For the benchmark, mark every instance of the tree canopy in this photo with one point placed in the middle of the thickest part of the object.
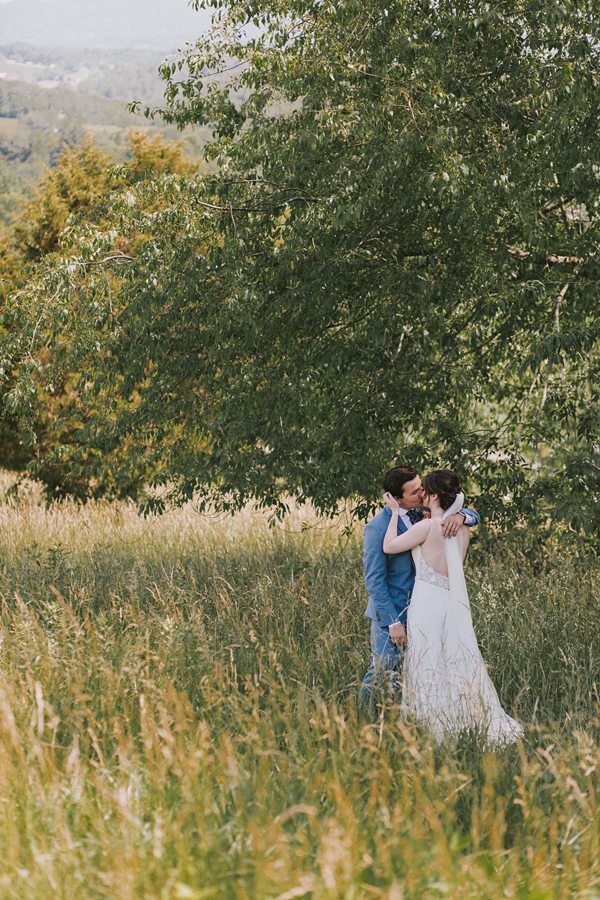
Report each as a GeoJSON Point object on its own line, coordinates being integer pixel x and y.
{"type": "Point", "coordinates": [397, 258]}
{"type": "Point", "coordinates": [77, 192]}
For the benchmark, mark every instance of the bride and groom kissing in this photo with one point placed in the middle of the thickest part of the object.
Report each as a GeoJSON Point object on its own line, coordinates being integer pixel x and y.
{"type": "Point", "coordinates": [423, 645]}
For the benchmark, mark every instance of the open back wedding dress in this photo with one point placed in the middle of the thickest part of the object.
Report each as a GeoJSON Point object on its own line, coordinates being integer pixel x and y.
{"type": "Point", "coordinates": [446, 684]}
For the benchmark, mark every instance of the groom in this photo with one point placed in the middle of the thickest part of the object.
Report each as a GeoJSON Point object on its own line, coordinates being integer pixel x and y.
{"type": "Point", "coordinates": [390, 580]}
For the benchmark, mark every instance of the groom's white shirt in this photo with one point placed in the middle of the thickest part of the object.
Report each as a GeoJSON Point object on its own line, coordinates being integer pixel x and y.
{"type": "Point", "coordinates": [403, 513]}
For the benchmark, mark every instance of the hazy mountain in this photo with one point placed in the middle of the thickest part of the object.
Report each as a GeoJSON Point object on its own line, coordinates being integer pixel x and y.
{"type": "Point", "coordinates": [163, 25]}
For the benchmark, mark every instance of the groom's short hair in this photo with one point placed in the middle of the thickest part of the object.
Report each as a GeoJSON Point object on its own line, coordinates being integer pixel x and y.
{"type": "Point", "coordinates": [395, 479]}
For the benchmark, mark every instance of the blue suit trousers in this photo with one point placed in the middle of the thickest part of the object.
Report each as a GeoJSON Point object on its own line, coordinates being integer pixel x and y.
{"type": "Point", "coordinates": [383, 677]}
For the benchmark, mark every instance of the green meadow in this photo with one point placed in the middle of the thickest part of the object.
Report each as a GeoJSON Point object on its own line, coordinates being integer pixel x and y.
{"type": "Point", "coordinates": [178, 717]}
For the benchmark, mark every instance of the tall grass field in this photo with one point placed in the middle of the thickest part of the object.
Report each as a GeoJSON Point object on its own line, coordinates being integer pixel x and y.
{"type": "Point", "coordinates": [178, 718]}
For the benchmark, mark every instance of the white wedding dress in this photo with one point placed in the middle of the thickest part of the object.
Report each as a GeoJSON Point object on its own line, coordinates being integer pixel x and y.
{"type": "Point", "coordinates": [446, 684]}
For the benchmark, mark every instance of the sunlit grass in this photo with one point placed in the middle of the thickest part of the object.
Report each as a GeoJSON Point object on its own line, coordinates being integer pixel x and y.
{"type": "Point", "coordinates": [177, 719]}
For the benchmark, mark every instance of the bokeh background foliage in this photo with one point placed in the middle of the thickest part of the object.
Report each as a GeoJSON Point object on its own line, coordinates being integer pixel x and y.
{"type": "Point", "coordinates": [395, 257]}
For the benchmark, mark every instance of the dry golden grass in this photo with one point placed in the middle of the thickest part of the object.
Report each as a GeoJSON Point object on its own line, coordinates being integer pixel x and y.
{"type": "Point", "coordinates": [177, 720]}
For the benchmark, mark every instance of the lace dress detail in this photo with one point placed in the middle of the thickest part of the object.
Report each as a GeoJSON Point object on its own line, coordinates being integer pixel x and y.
{"type": "Point", "coordinates": [431, 576]}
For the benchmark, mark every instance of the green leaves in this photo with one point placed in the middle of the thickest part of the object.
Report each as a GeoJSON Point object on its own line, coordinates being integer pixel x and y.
{"type": "Point", "coordinates": [377, 268]}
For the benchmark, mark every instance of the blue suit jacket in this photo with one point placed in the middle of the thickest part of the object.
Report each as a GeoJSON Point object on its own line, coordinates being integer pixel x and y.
{"type": "Point", "coordinates": [390, 577]}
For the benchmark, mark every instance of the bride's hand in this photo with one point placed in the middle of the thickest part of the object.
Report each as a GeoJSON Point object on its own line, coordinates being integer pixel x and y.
{"type": "Point", "coordinates": [391, 501]}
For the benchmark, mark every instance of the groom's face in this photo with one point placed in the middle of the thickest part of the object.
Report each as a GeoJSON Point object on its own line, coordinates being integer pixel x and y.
{"type": "Point", "coordinates": [412, 495]}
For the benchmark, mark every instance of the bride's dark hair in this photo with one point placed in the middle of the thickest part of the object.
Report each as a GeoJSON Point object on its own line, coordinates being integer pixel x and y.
{"type": "Point", "coordinates": [445, 483]}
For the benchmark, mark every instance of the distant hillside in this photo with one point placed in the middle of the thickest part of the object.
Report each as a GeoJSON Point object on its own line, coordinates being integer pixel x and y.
{"type": "Point", "coordinates": [36, 121]}
{"type": "Point", "coordinates": [163, 25]}
{"type": "Point", "coordinates": [104, 73]}
{"type": "Point", "coordinates": [51, 96]}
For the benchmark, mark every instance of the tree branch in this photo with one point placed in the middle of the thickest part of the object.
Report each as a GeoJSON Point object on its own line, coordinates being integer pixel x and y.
{"type": "Point", "coordinates": [544, 397]}
{"type": "Point", "coordinates": [551, 258]}
{"type": "Point", "coordinates": [116, 257]}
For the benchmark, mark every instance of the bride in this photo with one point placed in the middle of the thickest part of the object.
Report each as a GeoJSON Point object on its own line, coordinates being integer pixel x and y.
{"type": "Point", "coordinates": [446, 684]}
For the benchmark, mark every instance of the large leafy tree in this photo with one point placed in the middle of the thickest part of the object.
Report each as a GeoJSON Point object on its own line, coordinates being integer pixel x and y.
{"type": "Point", "coordinates": [72, 201]}
{"type": "Point", "coordinates": [397, 257]}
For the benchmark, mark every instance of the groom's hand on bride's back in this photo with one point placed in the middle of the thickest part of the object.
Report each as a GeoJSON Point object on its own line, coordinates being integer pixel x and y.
{"type": "Point", "coordinates": [452, 525]}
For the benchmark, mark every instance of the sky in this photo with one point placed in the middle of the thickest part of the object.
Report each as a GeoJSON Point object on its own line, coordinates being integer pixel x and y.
{"type": "Point", "coordinates": [155, 24]}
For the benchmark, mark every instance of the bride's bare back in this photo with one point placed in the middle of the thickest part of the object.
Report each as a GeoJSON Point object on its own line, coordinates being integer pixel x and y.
{"type": "Point", "coordinates": [432, 548]}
